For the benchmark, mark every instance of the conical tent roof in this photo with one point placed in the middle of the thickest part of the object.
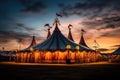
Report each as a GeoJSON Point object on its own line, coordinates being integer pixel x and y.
{"type": "Point", "coordinates": [33, 43]}
{"type": "Point", "coordinates": [117, 51]}
{"type": "Point", "coordinates": [70, 35]}
{"type": "Point", "coordinates": [57, 41]}
{"type": "Point", "coordinates": [49, 34]}
{"type": "Point", "coordinates": [82, 41]}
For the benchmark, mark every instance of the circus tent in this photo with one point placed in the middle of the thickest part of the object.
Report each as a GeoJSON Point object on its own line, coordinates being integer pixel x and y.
{"type": "Point", "coordinates": [115, 56]}
{"type": "Point", "coordinates": [116, 52]}
{"type": "Point", "coordinates": [57, 48]}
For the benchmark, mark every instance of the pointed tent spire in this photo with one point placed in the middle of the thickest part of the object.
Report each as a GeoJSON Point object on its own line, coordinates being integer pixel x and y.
{"type": "Point", "coordinates": [49, 33]}
{"type": "Point", "coordinates": [95, 45]}
{"type": "Point", "coordinates": [56, 21]}
{"type": "Point", "coordinates": [70, 34]}
{"type": "Point", "coordinates": [33, 43]}
{"type": "Point", "coordinates": [82, 41]}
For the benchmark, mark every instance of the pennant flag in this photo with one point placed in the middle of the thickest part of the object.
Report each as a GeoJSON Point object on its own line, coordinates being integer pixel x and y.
{"type": "Point", "coordinates": [70, 26]}
{"type": "Point", "coordinates": [46, 25]}
{"type": "Point", "coordinates": [59, 15]}
{"type": "Point", "coordinates": [83, 30]}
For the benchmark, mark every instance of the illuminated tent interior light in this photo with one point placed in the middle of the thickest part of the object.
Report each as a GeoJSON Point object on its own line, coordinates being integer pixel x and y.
{"type": "Point", "coordinates": [77, 47]}
{"type": "Point", "coordinates": [31, 49]}
{"type": "Point", "coordinates": [68, 46]}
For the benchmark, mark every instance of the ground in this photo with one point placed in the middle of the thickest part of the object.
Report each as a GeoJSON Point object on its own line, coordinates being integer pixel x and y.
{"type": "Point", "coordinates": [37, 71]}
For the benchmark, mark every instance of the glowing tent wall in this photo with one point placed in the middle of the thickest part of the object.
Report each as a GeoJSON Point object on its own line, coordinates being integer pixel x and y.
{"type": "Point", "coordinates": [57, 56]}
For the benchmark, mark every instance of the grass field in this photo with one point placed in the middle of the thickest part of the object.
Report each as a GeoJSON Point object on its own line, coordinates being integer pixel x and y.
{"type": "Point", "coordinates": [37, 71]}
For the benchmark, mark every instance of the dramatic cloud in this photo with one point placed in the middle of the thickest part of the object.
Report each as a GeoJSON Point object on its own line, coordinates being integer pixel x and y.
{"type": "Point", "coordinates": [111, 23]}
{"type": "Point", "coordinates": [113, 33]}
{"type": "Point", "coordinates": [11, 35]}
{"type": "Point", "coordinates": [103, 49]}
{"type": "Point", "coordinates": [116, 46]}
{"type": "Point", "coordinates": [22, 26]}
{"type": "Point", "coordinates": [17, 32]}
{"type": "Point", "coordinates": [91, 8]}
{"type": "Point", "coordinates": [103, 23]}
{"type": "Point", "coordinates": [32, 6]}
{"type": "Point", "coordinates": [96, 15]}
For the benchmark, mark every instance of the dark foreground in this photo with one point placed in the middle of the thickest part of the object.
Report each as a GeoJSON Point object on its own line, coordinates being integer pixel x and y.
{"type": "Point", "coordinates": [60, 72]}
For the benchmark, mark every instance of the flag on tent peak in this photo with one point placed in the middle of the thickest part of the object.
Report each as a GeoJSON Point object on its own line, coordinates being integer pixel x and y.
{"type": "Point", "coordinates": [46, 25]}
{"type": "Point", "coordinates": [83, 30]}
{"type": "Point", "coordinates": [59, 15]}
{"type": "Point", "coordinates": [70, 26]}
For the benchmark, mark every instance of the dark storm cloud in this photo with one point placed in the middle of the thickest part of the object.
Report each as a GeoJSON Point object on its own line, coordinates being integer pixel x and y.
{"type": "Point", "coordinates": [10, 27]}
{"type": "Point", "coordinates": [92, 24]}
{"type": "Point", "coordinates": [91, 8]}
{"type": "Point", "coordinates": [29, 30]}
{"type": "Point", "coordinates": [111, 23]}
{"type": "Point", "coordinates": [103, 49]}
{"type": "Point", "coordinates": [23, 26]}
{"type": "Point", "coordinates": [104, 23]}
{"type": "Point", "coordinates": [108, 26]}
{"type": "Point", "coordinates": [32, 6]}
{"type": "Point", "coordinates": [7, 36]}
{"type": "Point", "coordinates": [96, 14]}
{"type": "Point", "coordinates": [116, 46]}
{"type": "Point", "coordinates": [15, 31]}
{"type": "Point", "coordinates": [116, 18]}
{"type": "Point", "coordinates": [113, 33]}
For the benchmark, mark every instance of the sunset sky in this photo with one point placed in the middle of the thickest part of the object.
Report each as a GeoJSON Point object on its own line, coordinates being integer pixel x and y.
{"type": "Point", "coordinates": [21, 19]}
